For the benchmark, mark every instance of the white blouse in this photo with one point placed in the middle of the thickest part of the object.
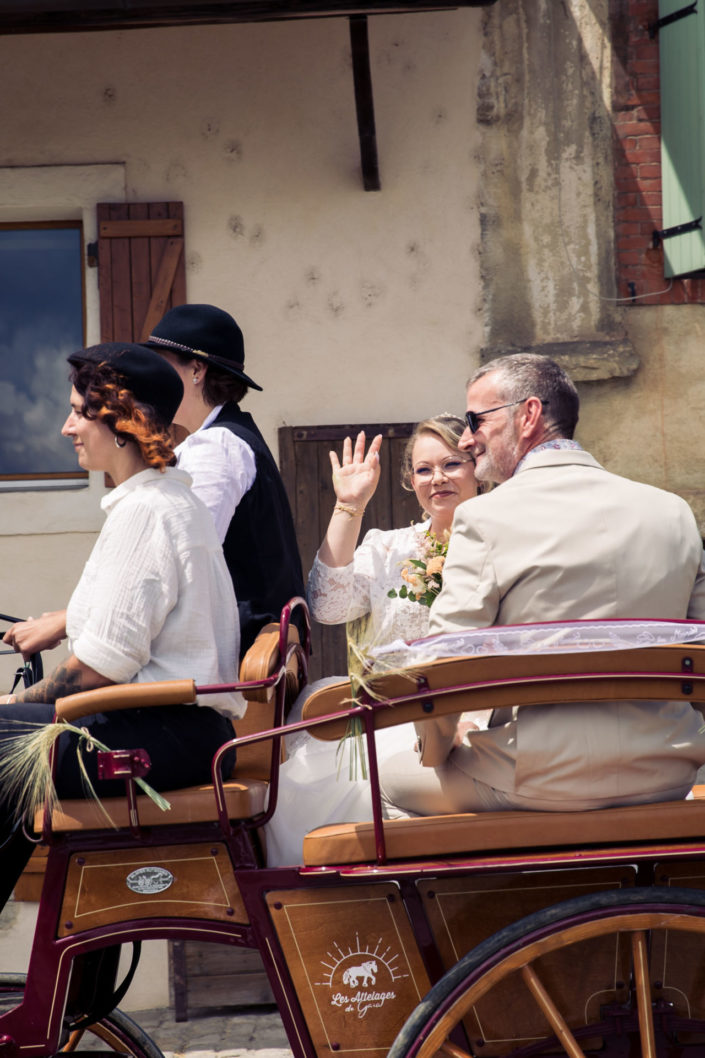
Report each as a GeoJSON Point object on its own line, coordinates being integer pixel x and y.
{"type": "Point", "coordinates": [222, 468]}
{"type": "Point", "coordinates": [155, 600]}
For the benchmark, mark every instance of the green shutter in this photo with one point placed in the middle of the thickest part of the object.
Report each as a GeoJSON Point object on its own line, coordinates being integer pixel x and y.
{"type": "Point", "coordinates": [682, 62]}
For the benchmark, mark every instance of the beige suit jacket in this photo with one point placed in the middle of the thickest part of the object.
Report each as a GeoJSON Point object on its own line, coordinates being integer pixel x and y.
{"type": "Point", "coordinates": [566, 540]}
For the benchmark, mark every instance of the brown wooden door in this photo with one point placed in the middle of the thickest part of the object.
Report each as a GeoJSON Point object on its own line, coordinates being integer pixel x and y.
{"type": "Point", "coordinates": [306, 470]}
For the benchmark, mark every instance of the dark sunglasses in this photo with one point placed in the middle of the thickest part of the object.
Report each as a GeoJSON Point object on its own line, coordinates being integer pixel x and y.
{"type": "Point", "coordinates": [474, 418]}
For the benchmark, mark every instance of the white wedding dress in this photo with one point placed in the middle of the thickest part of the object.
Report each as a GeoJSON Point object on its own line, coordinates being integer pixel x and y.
{"type": "Point", "coordinates": [315, 787]}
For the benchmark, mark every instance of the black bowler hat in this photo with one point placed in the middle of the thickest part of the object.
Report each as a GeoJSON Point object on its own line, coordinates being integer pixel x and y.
{"type": "Point", "coordinates": [206, 332]}
{"type": "Point", "coordinates": [146, 374]}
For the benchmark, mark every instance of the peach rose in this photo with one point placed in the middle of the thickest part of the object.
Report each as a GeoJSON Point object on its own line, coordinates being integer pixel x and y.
{"type": "Point", "coordinates": [436, 564]}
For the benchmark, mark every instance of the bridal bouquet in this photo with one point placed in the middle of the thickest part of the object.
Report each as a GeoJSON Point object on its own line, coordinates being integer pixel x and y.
{"type": "Point", "coordinates": [423, 580]}
{"type": "Point", "coordinates": [423, 576]}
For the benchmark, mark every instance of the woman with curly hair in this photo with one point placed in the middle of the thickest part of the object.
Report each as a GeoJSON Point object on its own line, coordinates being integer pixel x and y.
{"type": "Point", "coordinates": [154, 600]}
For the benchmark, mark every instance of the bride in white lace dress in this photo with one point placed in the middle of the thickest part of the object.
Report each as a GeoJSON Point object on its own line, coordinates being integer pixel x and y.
{"type": "Point", "coordinates": [349, 582]}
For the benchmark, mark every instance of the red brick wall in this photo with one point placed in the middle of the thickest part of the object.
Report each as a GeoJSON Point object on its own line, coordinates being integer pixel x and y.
{"type": "Point", "coordinates": [637, 161]}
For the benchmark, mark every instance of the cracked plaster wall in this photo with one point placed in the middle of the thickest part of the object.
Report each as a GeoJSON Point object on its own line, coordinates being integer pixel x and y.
{"type": "Point", "coordinates": [341, 294]}
{"type": "Point", "coordinates": [547, 189]}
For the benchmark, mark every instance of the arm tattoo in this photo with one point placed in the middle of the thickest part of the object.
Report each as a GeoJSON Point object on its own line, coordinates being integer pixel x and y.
{"type": "Point", "coordinates": [62, 681]}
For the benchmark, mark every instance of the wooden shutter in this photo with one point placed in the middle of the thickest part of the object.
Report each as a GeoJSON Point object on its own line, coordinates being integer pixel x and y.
{"type": "Point", "coordinates": [141, 269]}
{"type": "Point", "coordinates": [682, 73]}
{"type": "Point", "coordinates": [306, 470]}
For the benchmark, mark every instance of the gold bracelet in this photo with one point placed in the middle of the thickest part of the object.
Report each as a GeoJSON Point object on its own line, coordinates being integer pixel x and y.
{"type": "Point", "coordinates": [345, 508]}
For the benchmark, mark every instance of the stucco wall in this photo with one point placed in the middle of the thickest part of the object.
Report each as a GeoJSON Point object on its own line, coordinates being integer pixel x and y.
{"type": "Point", "coordinates": [652, 426]}
{"type": "Point", "coordinates": [544, 100]}
{"type": "Point", "coordinates": [342, 295]}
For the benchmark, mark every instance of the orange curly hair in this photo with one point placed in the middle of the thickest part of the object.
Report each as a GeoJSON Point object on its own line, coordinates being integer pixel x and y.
{"type": "Point", "coordinates": [107, 399]}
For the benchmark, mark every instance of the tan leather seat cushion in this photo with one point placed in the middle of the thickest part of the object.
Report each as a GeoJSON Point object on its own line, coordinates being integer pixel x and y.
{"type": "Point", "coordinates": [195, 804]}
{"type": "Point", "coordinates": [453, 835]}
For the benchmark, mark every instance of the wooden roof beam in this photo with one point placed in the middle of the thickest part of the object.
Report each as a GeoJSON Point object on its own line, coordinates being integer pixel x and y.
{"type": "Point", "coordinates": [364, 102]}
{"type": "Point", "coordinates": [69, 16]}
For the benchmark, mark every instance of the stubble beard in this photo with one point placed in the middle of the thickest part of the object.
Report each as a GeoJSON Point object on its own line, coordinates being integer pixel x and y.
{"type": "Point", "coordinates": [498, 465]}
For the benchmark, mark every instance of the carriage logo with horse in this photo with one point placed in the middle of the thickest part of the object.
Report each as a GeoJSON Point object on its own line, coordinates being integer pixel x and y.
{"type": "Point", "coordinates": [361, 977]}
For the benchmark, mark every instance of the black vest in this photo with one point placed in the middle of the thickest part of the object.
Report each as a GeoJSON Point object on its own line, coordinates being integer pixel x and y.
{"type": "Point", "coordinates": [260, 544]}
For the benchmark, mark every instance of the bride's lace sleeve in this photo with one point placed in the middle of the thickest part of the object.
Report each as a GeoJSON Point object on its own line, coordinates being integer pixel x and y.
{"type": "Point", "coordinates": [342, 593]}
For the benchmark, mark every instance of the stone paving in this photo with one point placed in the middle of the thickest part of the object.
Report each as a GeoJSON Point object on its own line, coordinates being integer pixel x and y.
{"type": "Point", "coordinates": [235, 1034]}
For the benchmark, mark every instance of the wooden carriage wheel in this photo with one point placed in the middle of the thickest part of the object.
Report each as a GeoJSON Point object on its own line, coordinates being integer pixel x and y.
{"type": "Point", "coordinates": [644, 1025]}
{"type": "Point", "coordinates": [115, 1032]}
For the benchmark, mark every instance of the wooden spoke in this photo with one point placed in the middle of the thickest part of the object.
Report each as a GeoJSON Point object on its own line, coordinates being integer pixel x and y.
{"type": "Point", "coordinates": [481, 996]}
{"type": "Point", "coordinates": [449, 1050]}
{"type": "Point", "coordinates": [552, 1013]}
{"type": "Point", "coordinates": [642, 987]}
{"type": "Point", "coordinates": [115, 1034]}
{"type": "Point", "coordinates": [73, 1041]}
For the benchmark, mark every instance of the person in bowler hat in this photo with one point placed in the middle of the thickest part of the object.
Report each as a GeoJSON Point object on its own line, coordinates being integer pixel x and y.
{"type": "Point", "coordinates": [154, 602]}
{"type": "Point", "coordinates": [232, 469]}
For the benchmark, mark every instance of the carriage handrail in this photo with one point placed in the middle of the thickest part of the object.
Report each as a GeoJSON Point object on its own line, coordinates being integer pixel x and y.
{"type": "Point", "coordinates": [421, 695]}
{"type": "Point", "coordinates": [275, 734]}
{"type": "Point", "coordinates": [287, 651]}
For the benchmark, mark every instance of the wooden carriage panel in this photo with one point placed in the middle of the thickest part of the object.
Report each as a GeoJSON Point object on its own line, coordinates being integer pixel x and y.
{"type": "Point", "coordinates": [177, 881]}
{"type": "Point", "coordinates": [678, 958]}
{"type": "Point", "coordinates": [354, 963]}
{"type": "Point", "coordinates": [465, 911]}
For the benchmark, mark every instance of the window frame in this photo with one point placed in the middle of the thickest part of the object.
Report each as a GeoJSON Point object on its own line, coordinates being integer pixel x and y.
{"type": "Point", "coordinates": [61, 192]}
{"type": "Point", "coordinates": [33, 480]}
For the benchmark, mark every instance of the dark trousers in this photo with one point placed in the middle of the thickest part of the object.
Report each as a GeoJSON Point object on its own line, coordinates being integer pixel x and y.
{"type": "Point", "coordinates": [180, 739]}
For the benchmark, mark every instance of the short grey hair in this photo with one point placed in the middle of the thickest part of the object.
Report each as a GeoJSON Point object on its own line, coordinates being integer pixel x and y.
{"type": "Point", "coordinates": [522, 375]}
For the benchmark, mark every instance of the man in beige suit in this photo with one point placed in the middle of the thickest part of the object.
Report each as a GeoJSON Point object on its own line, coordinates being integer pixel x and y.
{"type": "Point", "coordinates": [560, 539]}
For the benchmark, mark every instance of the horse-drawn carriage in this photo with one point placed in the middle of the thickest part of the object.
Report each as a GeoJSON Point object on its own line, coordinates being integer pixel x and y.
{"type": "Point", "coordinates": [498, 933]}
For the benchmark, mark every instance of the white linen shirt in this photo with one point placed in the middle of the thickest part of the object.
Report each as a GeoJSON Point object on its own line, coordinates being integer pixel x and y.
{"type": "Point", "coordinates": [222, 468]}
{"type": "Point", "coordinates": [155, 600]}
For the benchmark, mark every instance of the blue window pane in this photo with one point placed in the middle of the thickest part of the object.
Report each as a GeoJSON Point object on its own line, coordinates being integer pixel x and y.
{"type": "Point", "coordinates": [41, 323]}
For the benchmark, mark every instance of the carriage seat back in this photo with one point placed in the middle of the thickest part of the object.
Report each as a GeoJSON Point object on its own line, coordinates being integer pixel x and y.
{"type": "Point", "coordinates": [245, 790]}
{"type": "Point", "coordinates": [463, 684]}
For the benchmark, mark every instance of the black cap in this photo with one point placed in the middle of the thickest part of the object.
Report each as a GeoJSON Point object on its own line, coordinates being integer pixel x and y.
{"type": "Point", "coordinates": [204, 332]}
{"type": "Point", "coordinates": [147, 375]}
